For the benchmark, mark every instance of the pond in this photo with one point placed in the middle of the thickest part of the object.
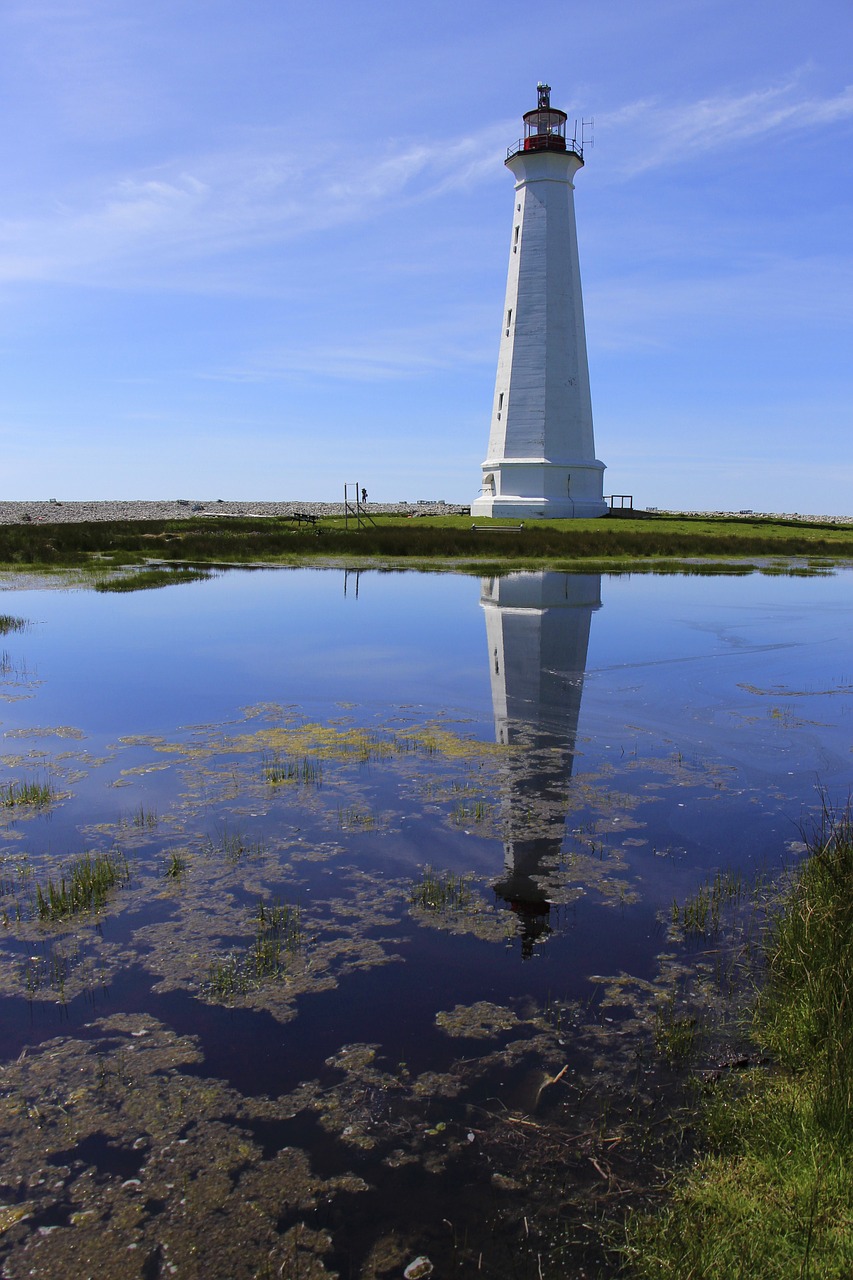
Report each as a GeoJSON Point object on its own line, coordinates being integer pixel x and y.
{"type": "Point", "coordinates": [340, 912]}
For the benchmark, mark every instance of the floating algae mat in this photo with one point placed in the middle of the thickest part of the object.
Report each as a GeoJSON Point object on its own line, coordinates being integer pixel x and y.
{"type": "Point", "coordinates": [369, 927]}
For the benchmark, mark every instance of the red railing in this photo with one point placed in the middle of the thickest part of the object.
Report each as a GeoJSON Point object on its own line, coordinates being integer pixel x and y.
{"type": "Point", "coordinates": [546, 142]}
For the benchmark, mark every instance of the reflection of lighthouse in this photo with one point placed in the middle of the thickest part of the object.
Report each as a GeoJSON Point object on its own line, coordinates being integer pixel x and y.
{"type": "Point", "coordinates": [537, 626]}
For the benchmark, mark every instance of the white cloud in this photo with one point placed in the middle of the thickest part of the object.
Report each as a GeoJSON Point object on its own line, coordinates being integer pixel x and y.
{"type": "Point", "coordinates": [380, 356]}
{"type": "Point", "coordinates": [133, 229]}
{"type": "Point", "coordinates": [653, 133]}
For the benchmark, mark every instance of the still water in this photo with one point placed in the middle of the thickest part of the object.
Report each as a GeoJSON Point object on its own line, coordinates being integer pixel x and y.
{"type": "Point", "coordinates": [390, 964]}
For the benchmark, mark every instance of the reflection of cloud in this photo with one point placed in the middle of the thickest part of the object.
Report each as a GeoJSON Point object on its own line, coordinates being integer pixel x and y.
{"type": "Point", "coordinates": [663, 134]}
{"type": "Point", "coordinates": [232, 201]}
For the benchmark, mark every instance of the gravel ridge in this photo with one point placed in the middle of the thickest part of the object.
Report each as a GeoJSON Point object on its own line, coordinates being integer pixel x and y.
{"type": "Point", "coordinates": [53, 512]}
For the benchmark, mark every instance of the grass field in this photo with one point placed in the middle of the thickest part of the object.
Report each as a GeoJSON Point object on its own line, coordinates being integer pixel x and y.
{"type": "Point", "coordinates": [773, 1198]}
{"type": "Point", "coordinates": [447, 542]}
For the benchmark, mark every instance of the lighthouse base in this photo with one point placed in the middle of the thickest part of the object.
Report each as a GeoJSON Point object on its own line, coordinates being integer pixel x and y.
{"type": "Point", "coordinates": [537, 489]}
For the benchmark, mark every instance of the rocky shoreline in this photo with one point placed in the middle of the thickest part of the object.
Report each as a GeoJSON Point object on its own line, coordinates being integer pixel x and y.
{"type": "Point", "coordinates": [55, 512]}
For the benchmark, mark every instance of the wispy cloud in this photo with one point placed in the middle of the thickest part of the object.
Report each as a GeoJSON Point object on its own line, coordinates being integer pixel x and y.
{"type": "Point", "coordinates": [134, 228]}
{"type": "Point", "coordinates": [463, 339]}
{"type": "Point", "coordinates": [653, 133]}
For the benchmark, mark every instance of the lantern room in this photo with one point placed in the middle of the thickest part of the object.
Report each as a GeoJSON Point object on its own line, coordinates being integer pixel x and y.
{"type": "Point", "coordinates": [544, 128]}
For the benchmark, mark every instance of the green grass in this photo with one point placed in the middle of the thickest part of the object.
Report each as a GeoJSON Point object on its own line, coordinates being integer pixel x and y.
{"type": "Point", "coordinates": [305, 770]}
{"type": "Point", "coordinates": [196, 542]}
{"type": "Point", "coordinates": [441, 891]}
{"type": "Point", "coordinates": [675, 1032]}
{"type": "Point", "coordinates": [278, 937]}
{"type": "Point", "coordinates": [84, 888]}
{"type": "Point", "coordinates": [701, 913]}
{"type": "Point", "coordinates": [27, 794]}
{"type": "Point", "coordinates": [475, 813]}
{"type": "Point", "coordinates": [9, 623]}
{"type": "Point", "coordinates": [234, 844]}
{"type": "Point", "coordinates": [176, 865]}
{"type": "Point", "coordinates": [144, 818]}
{"type": "Point", "coordinates": [354, 817]}
{"type": "Point", "coordinates": [773, 1198]}
{"type": "Point", "coordinates": [150, 579]}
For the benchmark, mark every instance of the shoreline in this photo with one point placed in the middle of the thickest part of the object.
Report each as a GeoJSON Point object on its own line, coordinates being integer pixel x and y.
{"type": "Point", "coordinates": [52, 511]}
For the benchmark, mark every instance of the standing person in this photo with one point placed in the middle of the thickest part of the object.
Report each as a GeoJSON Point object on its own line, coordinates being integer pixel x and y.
{"type": "Point", "coordinates": [364, 497]}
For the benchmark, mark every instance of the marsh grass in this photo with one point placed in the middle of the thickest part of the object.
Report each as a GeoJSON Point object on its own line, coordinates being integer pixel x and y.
{"type": "Point", "coordinates": [8, 623]}
{"type": "Point", "coordinates": [278, 937]}
{"type": "Point", "coordinates": [144, 819]}
{"type": "Point", "coordinates": [305, 770]}
{"type": "Point", "coordinates": [773, 1199]}
{"type": "Point", "coordinates": [675, 1030]}
{"type": "Point", "coordinates": [176, 865]}
{"type": "Point", "coordinates": [473, 814]}
{"type": "Point", "coordinates": [196, 541]}
{"type": "Point", "coordinates": [234, 844]}
{"type": "Point", "coordinates": [30, 792]}
{"type": "Point", "coordinates": [702, 913]}
{"type": "Point", "coordinates": [151, 579]}
{"type": "Point", "coordinates": [10, 667]}
{"type": "Point", "coordinates": [441, 891]}
{"type": "Point", "coordinates": [804, 1015]}
{"type": "Point", "coordinates": [354, 817]}
{"type": "Point", "coordinates": [84, 888]}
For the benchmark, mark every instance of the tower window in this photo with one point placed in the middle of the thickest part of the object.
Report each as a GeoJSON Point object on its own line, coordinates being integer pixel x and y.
{"type": "Point", "coordinates": [515, 241]}
{"type": "Point", "coordinates": [508, 320]}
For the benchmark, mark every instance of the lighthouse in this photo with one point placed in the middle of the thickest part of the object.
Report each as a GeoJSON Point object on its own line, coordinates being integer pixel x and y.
{"type": "Point", "coordinates": [541, 457]}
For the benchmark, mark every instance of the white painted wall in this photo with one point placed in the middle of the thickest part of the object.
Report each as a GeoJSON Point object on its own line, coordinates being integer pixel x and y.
{"type": "Point", "coordinates": [541, 455]}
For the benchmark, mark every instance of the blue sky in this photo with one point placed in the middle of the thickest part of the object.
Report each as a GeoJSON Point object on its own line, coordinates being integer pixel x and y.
{"type": "Point", "coordinates": [258, 249]}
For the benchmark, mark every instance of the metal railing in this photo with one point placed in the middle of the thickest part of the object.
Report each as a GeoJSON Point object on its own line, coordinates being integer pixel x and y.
{"type": "Point", "coordinates": [546, 142]}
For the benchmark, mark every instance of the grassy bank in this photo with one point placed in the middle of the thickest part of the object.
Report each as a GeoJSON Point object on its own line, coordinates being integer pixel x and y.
{"type": "Point", "coordinates": [774, 1198]}
{"type": "Point", "coordinates": [396, 541]}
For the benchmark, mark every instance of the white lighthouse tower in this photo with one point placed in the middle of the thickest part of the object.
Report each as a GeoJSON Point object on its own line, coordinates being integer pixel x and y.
{"type": "Point", "coordinates": [541, 460]}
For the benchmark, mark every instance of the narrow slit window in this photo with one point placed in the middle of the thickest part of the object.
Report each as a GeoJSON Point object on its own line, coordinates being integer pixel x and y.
{"type": "Point", "coordinates": [515, 241]}
{"type": "Point", "coordinates": [500, 403]}
{"type": "Point", "coordinates": [508, 320]}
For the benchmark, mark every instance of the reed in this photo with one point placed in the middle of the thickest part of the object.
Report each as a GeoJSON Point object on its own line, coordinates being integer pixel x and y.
{"type": "Point", "coordinates": [28, 793]}
{"type": "Point", "coordinates": [702, 913]}
{"type": "Point", "coordinates": [306, 770]}
{"type": "Point", "coordinates": [278, 937]}
{"type": "Point", "coordinates": [441, 891]}
{"type": "Point", "coordinates": [151, 579]}
{"type": "Point", "coordinates": [84, 888]}
{"type": "Point", "coordinates": [234, 844]}
{"type": "Point", "coordinates": [144, 818]}
{"type": "Point", "coordinates": [9, 623]}
{"type": "Point", "coordinates": [176, 865]}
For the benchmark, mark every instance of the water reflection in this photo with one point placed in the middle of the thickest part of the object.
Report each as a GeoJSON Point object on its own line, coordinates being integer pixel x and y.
{"type": "Point", "coordinates": [537, 628]}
